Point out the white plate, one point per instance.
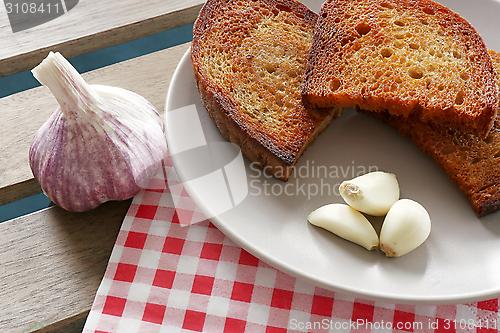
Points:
(458, 263)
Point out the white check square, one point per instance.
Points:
(149, 259)
(187, 265)
(127, 325)
(226, 271)
(116, 254)
(258, 313)
(265, 277)
(159, 228)
(105, 286)
(197, 234)
(139, 292)
(178, 299)
(303, 287)
(218, 306)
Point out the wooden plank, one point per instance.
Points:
(51, 264)
(89, 26)
(23, 113)
(72, 324)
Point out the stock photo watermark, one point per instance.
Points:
(26, 14)
(308, 180)
(329, 324)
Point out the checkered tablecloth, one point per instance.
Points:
(165, 277)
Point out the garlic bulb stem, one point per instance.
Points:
(66, 84)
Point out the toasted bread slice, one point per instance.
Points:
(404, 56)
(473, 163)
(249, 60)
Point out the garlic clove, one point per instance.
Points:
(406, 227)
(346, 223)
(103, 143)
(373, 193)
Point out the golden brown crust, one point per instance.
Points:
(231, 46)
(468, 160)
(402, 56)
(215, 104)
(473, 163)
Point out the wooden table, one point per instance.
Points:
(52, 261)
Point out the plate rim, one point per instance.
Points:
(300, 274)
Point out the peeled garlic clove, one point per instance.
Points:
(372, 194)
(347, 223)
(406, 227)
(102, 143)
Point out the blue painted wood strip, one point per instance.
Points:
(21, 81)
(24, 206)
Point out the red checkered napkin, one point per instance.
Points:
(165, 277)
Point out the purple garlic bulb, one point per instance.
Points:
(102, 143)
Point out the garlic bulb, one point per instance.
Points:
(102, 143)
(347, 223)
(373, 193)
(406, 227)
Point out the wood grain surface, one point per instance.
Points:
(51, 264)
(22, 114)
(89, 26)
